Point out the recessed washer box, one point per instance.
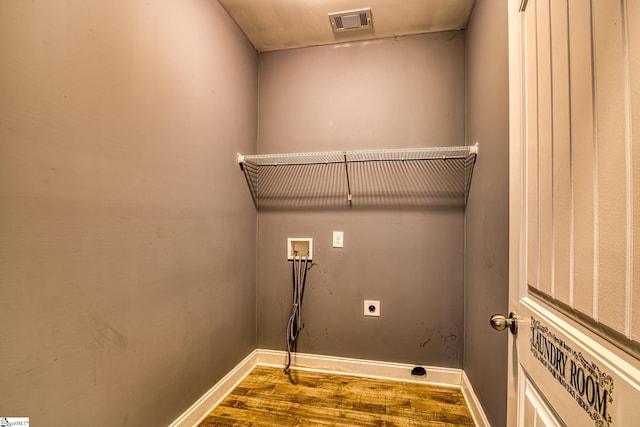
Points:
(298, 247)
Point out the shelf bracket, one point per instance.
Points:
(346, 171)
(247, 177)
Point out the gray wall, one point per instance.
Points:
(487, 213)
(391, 93)
(127, 254)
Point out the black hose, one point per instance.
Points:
(294, 325)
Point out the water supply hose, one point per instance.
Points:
(294, 325)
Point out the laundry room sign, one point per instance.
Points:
(591, 388)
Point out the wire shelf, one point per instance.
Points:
(436, 176)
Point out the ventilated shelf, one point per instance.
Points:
(384, 178)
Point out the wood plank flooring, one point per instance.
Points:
(268, 397)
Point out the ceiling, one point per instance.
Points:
(286, 24)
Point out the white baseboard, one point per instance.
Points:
(365, 368)
(445, 377)
(474, 404)
(203, 406)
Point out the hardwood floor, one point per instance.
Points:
(268, 397)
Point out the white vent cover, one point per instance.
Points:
(350, 20)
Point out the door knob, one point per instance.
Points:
(499, 322)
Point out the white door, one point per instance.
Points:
(575, 212)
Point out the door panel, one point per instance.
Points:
(633, 18)
(633, 33)
(582, 155)
(612, 140)
(561, 156)
(581, 165)
(542, 101)
(537, 412)
(584, 380)
(574, 212)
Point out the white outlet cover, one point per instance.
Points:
(338, 239)
(367, 308)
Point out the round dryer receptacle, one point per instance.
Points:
(418, 371)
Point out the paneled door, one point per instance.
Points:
(574, 213)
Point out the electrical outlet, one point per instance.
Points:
(371, 308)
(338, 239)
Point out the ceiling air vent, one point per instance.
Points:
(351, 20)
